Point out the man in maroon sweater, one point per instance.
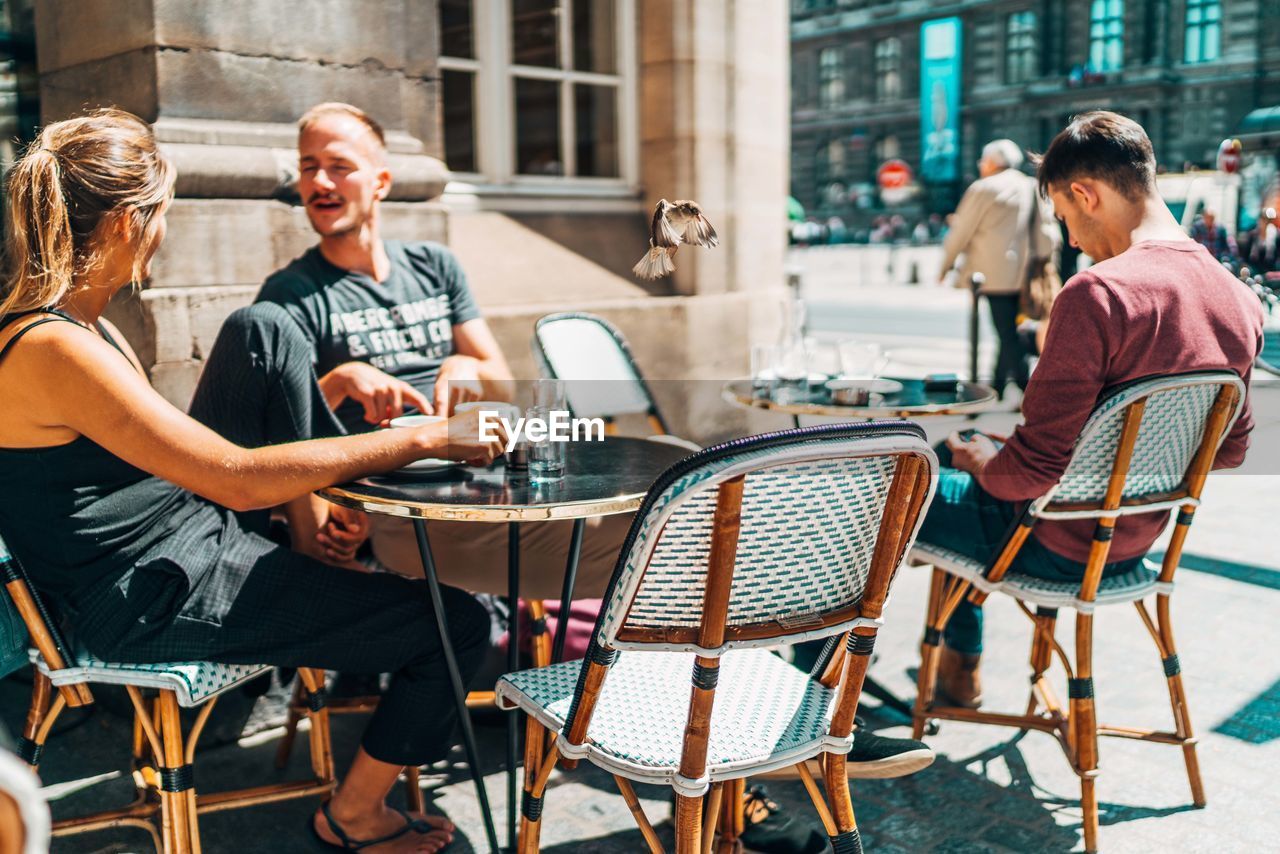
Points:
(1154, 303)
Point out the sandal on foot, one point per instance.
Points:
(414, 825)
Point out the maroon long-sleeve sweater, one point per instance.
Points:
(1161, 307)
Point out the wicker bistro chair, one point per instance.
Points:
(1147, 448)
(603, 378)
(771, 539)
(163, 760)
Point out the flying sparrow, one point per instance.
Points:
(673, 223)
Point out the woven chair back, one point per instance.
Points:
(591, 355)
(813, 503)
(1173, 425)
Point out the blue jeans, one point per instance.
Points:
(965, 518)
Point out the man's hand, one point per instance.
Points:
(342, 535)
(382, 395)
(971, 456)
(457, 382)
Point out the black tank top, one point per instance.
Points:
(76, 515)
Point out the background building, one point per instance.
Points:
(1190, 71)
(533, 136)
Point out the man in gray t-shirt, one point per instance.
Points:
(403, 325)
(395, 327)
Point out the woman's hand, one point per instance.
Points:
(464, 441)
(383, 396)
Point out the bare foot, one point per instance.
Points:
(384, 823)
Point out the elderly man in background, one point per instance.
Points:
(999, 227)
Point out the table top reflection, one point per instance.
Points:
(913, 401)
(600, 479)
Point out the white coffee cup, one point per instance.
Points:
(416, 420)
(509, 411)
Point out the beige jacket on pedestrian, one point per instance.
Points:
(989, 230)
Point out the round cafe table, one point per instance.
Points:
(600, 479)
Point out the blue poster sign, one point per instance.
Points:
(940, 100)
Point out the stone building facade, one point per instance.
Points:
(565, 121)
(1188, 70)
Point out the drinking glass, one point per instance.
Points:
(549, 394)
(546, 457)
(764, 372)
(862, 359)
(793, 373)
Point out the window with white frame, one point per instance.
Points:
(1204, 31)
(1020, 47)
(1106, 35)
(831, 77)
(888, 69)
(538, 90)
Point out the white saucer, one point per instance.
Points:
(430, 464)
(875, 385)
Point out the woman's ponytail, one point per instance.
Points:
(77, 173)
(40, 245)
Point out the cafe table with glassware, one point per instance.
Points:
(796, 381)
(800, 375)
(538, 480)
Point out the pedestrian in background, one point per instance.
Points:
(1212, 235)
(1001, 224)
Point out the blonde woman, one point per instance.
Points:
(145, 524)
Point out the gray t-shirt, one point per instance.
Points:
(402, 326)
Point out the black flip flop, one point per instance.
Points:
(414, 825)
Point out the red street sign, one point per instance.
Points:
(1229, 155)
(893, 174)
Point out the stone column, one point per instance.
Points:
(715, 126)
(223, 82)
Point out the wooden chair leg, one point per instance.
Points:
(181, 833)
(296, 705)
(1041, 651)
(927, 676)
(1085, 729)
(688, 825)
(731, 819)
(541, 642)
(320, 742)
(711, 816)
(846, 839)
(1178, 700)
(40, 714)
(537, 770)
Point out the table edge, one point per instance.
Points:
(481, 513)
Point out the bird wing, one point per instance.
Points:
(660, 230)
(696, 227)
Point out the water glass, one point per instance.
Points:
(547, 458)
(764, 372)
(793, 373)
(549, 394)
(862, 359)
